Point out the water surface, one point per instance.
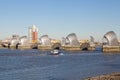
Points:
(38, 65)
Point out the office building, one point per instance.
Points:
(33, 34)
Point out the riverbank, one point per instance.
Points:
(112, 76)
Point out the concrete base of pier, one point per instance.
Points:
(12, 46)
(1, 46)
(40, 47)
(24, 47)
(111, 48)
(91, 48)
(71, 48)
(113, 76)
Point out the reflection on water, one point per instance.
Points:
(38, 65)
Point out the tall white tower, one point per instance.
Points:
(33, 34)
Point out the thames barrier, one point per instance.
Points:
(71, 42)
(110, 42)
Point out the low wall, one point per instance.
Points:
(12, 47)
(71, 48)
(1, 46)
(111, 48)
(45, 47)
(113, 76)
(91, 48)
(24, 47)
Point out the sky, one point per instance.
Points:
(58, 18)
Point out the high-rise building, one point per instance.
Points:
(33, 34)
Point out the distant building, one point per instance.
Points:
(55, 41)
(84, 41)
(33, 34)
(15, 36)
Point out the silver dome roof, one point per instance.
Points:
(110, 39)
(72, 40)
(45, 40)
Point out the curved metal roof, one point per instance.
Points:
(110, 39)
(45, 40)
(72, 40)
(24, 40)
(91, 39)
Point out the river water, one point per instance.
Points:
(39, 65)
